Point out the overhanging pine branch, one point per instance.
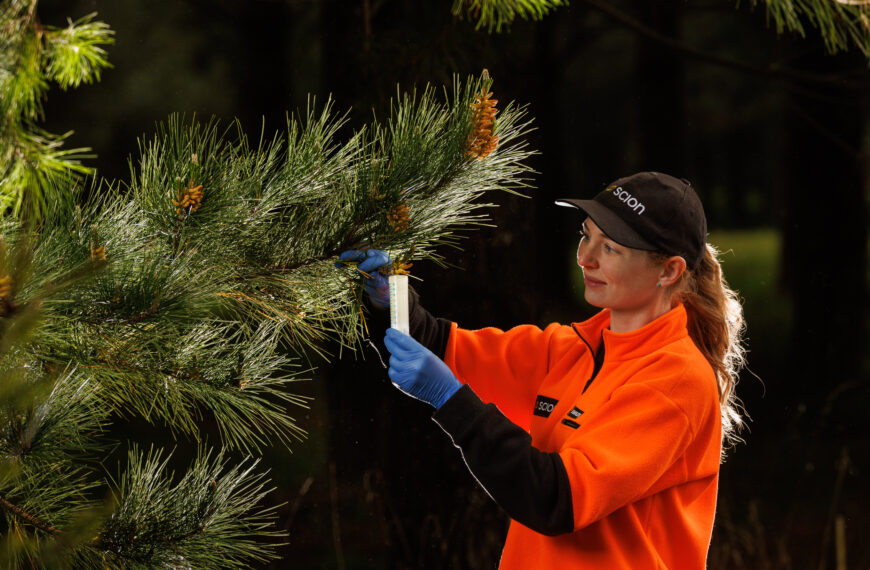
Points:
(767, 71)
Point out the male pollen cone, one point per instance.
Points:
(481, 141)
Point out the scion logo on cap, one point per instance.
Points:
(629, 200)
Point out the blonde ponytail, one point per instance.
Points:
(716, 326)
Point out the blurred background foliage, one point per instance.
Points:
(772, 129)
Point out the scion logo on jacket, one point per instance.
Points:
(544, 406)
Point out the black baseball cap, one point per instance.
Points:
(651, 211)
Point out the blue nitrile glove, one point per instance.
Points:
(376, 286)
(416, 371)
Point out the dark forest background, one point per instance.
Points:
(773, 132)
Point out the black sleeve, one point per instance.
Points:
(432, 332)
(530, 485)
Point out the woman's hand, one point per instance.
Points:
(416, 371)
(376, 285)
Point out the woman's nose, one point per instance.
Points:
(583, 257)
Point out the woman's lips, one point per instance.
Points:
(592, 282)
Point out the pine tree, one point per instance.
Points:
(195, 291)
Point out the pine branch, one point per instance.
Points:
(206, 517)
(46, 449)
(769, 71)
(187, 280)
(495, 14)
(35, 171)
(841, 23)
(27, 518)
(38, 161)
(75, 53)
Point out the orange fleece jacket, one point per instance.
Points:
(640, 443)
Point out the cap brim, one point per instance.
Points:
(610, 223)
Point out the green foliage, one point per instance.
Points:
(35, 171)
(841, 23)
(750, 260)
(38, 171)
(193, 295)
(49, 416)
(495, 14)
(74, 53)
(158, 524)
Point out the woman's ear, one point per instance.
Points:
(672, 269)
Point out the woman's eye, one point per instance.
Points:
(583, 235)
(609, 249)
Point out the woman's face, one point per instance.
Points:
(618, 278)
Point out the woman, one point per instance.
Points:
(602, 440)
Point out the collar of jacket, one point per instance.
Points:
(654, 335)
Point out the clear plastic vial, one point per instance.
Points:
(399, 303)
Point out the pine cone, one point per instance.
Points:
(190, 197)
(5, 286)
(481, 141)
(98, 253)
(401, 267)
(399, 217)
